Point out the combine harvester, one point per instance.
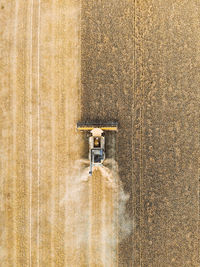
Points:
(97, 140)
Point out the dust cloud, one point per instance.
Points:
(95, 208)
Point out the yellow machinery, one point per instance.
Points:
(97, 140)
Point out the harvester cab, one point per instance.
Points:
(97, 141)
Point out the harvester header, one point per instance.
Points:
(88, 126)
